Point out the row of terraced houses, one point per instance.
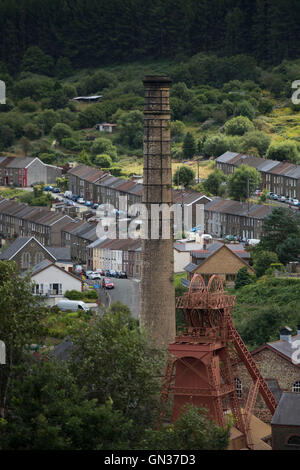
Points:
(51, 228)
(282, 178)
(222, 217)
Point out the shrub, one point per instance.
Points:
(238, 126)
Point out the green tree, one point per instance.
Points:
(238, 126)
(25, 145)
(62, 183)
(183, 176)
(284, 151)
(49, 411)
(84, 158)
(46, 120)
(103, 161)
(177, 131)
(101, 145)
(255, 139)
(243, 182)
(243, 278)
(262, 261)
(289, 250)
(189, 146)
(213, 184)
(277, 227)
(131, 128)
(63, 67)
(61, 131)
(193, 430)
(36, 61)
(7, 136)
(114, 358)
(20, 321)
(244, 108)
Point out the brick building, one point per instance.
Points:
(119, 255)
(226, 217)
(218, 258)
(21, 220)
(23, 172)
(28, 251)
(282, 178)
(274, 360)
(286, 423)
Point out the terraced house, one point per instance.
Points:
(21, 220)
(225, 217)
(77, 235)
(119, 255)
(23, 172)
(282, 178)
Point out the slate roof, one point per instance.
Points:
(285, 413)
(14, 247)
(285, 347)
(227, 206)
(60, 253)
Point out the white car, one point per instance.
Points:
(81, 200)
(295, 202)
(94, 276)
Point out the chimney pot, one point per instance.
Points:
(286, 334)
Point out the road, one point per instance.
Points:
(126, 291)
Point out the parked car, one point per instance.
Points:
(274, 196)
(72, 305)
(282, 198)
(100, 271)
(75, 197)
(94, 276)
(113, 273)
(56, 190)
(294, 202)
(88, 203)
(107, 283)
(95, 206)
(68, 194)
(257, 192)
(80, 200)
(48, 188)
(121, 275)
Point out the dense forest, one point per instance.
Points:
(97, 32)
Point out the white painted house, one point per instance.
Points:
(53, 281)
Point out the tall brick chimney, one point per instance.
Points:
(157, 286)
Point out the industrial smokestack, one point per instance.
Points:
(157, 286)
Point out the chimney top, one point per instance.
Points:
(286, 334)
(158, 80)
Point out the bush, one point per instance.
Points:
(74, 295)
(27, 105)
(103, 161)
(283, 151)
(61, 131)
(238, 126)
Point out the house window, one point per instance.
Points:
(296, 387)
(39, 257)
(238, 387)
(26, 258)
(294, 441)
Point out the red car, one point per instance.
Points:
(107, 283)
